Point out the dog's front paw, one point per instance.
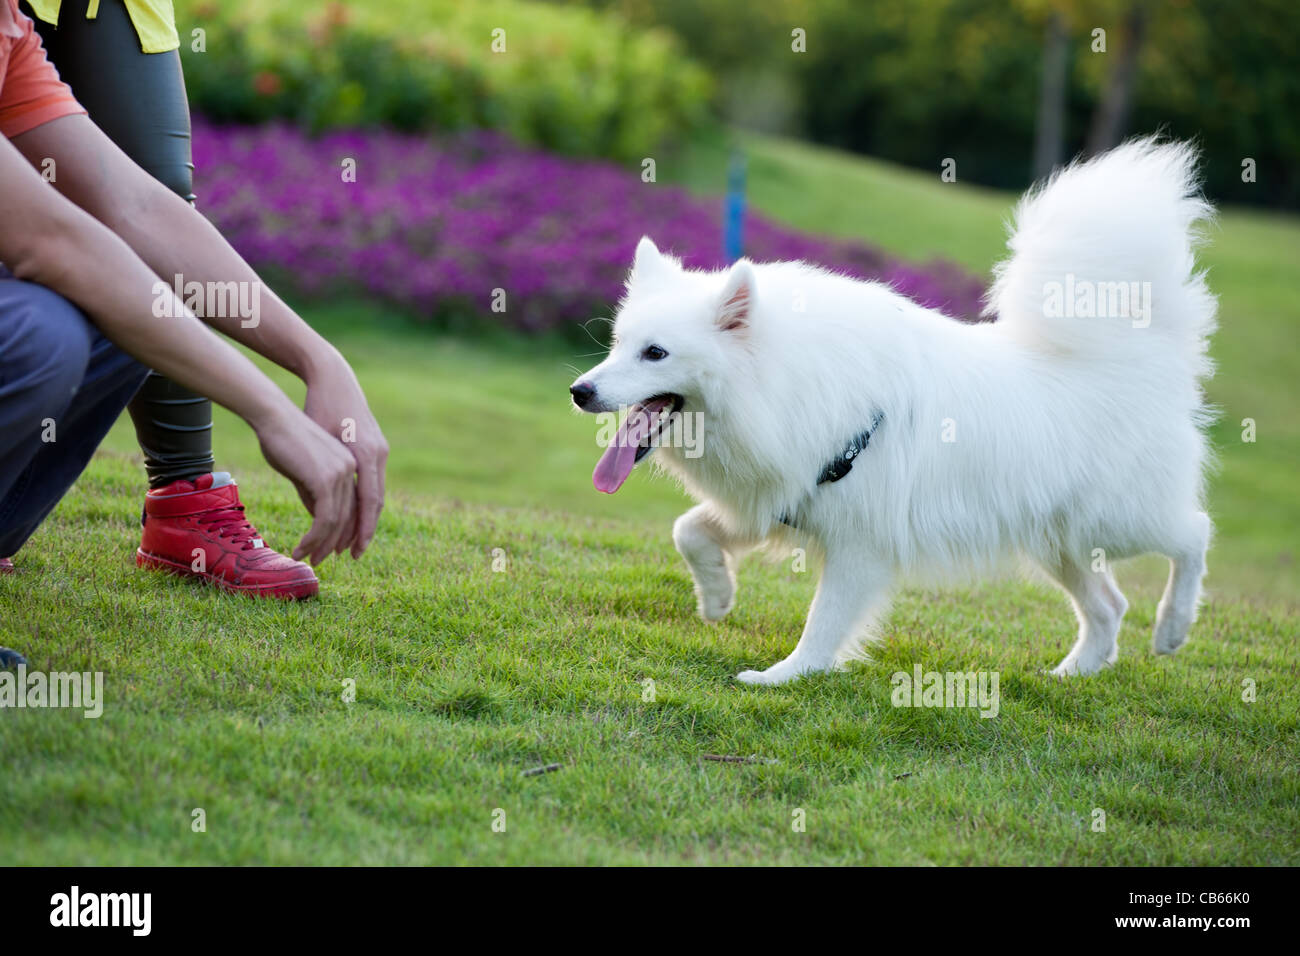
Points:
(781, 673)
(761, 677)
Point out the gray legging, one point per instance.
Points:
(138, 99)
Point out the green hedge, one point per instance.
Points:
(570, 79)
(914, 81)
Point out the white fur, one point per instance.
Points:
(1071, 434)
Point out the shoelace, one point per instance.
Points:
(231, 524)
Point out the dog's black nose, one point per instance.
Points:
(583, 393)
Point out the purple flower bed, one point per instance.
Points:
(436, 225)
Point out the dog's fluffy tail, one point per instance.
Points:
(1102, 259)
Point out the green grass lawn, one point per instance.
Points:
(585, 651)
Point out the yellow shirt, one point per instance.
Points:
(154, 21)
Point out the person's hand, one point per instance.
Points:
(336, 403)
(321, 469)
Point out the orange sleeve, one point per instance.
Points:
(31, 92)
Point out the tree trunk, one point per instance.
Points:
(1110, 119)
(1049, 134)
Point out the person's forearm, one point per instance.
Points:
(174, 240)
(90, 266)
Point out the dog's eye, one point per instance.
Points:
(653, 353)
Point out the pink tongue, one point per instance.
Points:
(616, 464)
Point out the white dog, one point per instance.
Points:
(906, 445)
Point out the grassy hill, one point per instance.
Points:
(585, 651)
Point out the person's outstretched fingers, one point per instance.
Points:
(342, 514)
(370, 499)
(322, 511)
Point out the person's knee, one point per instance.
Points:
(46, 345)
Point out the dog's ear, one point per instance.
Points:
(736, 304)
(650, 264)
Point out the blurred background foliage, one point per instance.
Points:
(912, 81)
(917, 80)
(576, 81)
(1009, 89)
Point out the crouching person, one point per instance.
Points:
(80, 331)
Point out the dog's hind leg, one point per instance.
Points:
(712, 555)
(851, 586)
(1100, 608)
(1177, 608)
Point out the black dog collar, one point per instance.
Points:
(842, 465)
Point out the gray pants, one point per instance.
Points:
(62, 385)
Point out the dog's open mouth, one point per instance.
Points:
(636, 438)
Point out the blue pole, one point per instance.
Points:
(733, 224)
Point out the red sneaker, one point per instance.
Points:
(7, 566)
(198, 529)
